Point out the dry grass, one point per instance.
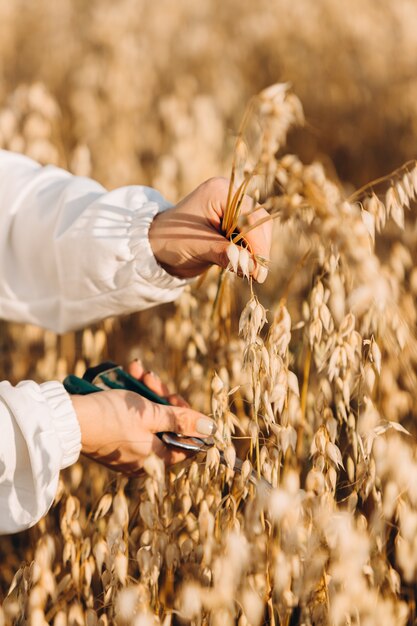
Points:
(328, 343)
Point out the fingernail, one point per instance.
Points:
(206, 426)
(262, 274)
(251, 266)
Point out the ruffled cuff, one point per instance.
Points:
(146, 264)
(65, 421)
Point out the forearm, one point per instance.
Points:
(72, 253)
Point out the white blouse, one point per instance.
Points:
(71, 253)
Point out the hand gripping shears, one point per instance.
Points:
(108, 375)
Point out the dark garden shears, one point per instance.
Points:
(108, 375)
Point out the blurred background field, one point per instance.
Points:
(139, 92)
(142, 92)
(156, 90)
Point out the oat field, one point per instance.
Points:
(311, 377)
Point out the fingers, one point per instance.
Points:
(250, 257)
(136, 369)
(257, 239)
(176, 400)
(154, 383)
(152, 380)
(181, 420)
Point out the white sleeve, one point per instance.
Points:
(72, 253)
(39, 436)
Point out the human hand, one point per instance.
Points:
(118, 427)
(187, 239)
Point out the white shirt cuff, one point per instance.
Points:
(65, 421)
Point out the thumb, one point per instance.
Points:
(182, 420)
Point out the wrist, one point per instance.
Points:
(78, 405)
(159, 242)
(90, 419)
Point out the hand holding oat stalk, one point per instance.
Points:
(205, 227)
(190, 237)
